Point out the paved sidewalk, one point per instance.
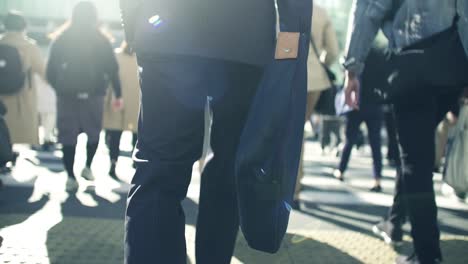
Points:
(42, 223)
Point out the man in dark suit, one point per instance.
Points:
(188, 51)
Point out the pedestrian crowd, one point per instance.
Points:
(68, 94)
(403, 70)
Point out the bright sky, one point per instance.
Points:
(108, 9)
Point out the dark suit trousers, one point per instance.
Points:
(170, 139)
(373, 120)
(416, 121)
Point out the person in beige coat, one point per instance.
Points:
(325, 40)
(22, 116)
(115, 122)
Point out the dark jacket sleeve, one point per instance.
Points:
(53, 64)
(112, 68)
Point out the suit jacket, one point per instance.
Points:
(240, 30)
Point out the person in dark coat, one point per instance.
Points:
(81, 63)
(187, 51)
(371, 113)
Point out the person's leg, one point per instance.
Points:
(113, 141)
(48, 125)
(374, 127)
(416, 124)
(391, 227)
(441, 138)
(325, 132)
(312, 99)
(300, 176)
(134, 139)
(49, 120)
(90, 153)
(169, 142)
(337, 131)
(68, 131)
(90, 117)
(392, 144)
(69, 159)
(353, 121)
(218, 219)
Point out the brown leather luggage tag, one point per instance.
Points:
(287, 45)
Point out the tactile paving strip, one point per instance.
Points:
(100, 241)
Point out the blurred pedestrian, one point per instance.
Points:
(455, 172)
(417, 113)
(207, 48)
(47, 107)
(6, 150)
(116, 122)
(324, 51)
(22, 118)
(81, 64)
(370, 112)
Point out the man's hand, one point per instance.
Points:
(117, 104)
(352, 86)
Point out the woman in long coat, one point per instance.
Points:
(22, 116)
(326, 44)
(126, 119)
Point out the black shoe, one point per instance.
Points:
(15, 157)
(338, 175)
(5, 170)
(461, 195)
(112, 172)
(47, 146)
(413, 259)
(383, 230)
(295, 205)
(376, 189)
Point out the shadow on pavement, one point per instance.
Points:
(296, 249)
(14, 205)
(94, 235)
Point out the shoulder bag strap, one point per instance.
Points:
(330, 75)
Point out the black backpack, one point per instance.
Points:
(79, 75)
(12, 76)
(79, 69)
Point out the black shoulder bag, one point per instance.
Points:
(326, 102)
(435, 65)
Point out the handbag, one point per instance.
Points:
(269, 150)
(326, 103)
(456, 167)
